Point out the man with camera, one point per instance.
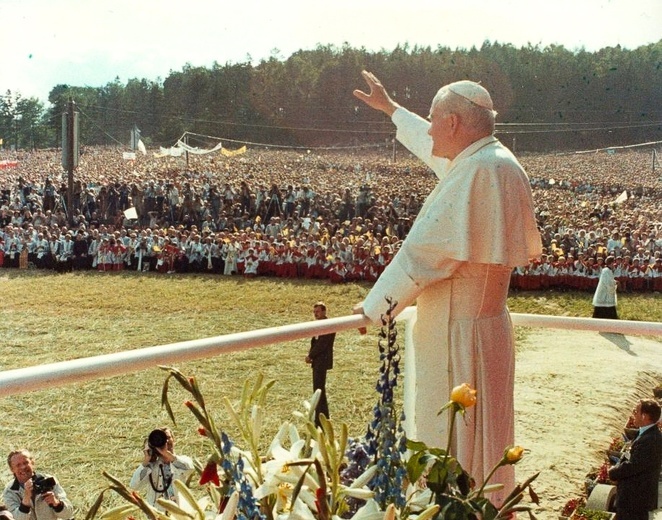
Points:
(33, 496)
(160, 467)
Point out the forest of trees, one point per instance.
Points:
(548, 99)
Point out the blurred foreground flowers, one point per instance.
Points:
(310, 473)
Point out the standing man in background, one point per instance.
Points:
(320, 358)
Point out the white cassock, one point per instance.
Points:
(474, 228)
(605, 292)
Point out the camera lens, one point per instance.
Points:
(157, 439)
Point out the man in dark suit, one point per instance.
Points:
(638, 472)
(320, 357)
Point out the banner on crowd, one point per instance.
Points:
(198, 151)
(8, 164)
(169, 152)
(232, 153)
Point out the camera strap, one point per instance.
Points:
(166, 479)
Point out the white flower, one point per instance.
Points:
(430, 512)
(358, 488)
(418, 498)
(360, 493)
(365, 477)
(300, 511)
(230, 508)
(279, 478)
(371, 511)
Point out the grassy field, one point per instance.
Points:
(77, 431)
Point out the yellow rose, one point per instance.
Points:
(513, 454)
(464, 395)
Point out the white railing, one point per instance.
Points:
(22, 380)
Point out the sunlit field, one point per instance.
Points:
(79, 430)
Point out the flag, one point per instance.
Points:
(129, 156)
(141, 147)
(621, 198)
(131, 213)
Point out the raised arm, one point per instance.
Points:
(378, 98)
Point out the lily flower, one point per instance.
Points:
(279, 477)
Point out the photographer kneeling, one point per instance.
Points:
(160, 467)
(33, 496)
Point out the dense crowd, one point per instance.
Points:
(334, 215)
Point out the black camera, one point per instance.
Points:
(41, 485)
(157, 439)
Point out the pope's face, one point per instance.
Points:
(440, 128)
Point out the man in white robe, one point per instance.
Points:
(604, 299)
(474, 228)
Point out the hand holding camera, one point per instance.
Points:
(43, 487)
(157, 446)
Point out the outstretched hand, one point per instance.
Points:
(378, 98)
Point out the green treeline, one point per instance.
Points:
(548, 99)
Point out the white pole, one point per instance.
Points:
(22, 380)
(638, 328)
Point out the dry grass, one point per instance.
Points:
(79, 430)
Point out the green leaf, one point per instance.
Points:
(199, 416)
(185, 495)
(344, 434)
(195, 391)
(165, 402)
(487, 509)
(299, 485)
(174, 510)
(416, 465)
(120, 512)
(456, 510)
(181, 378)
(416, 445)
(95, 507)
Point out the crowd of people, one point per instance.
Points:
(339, 216)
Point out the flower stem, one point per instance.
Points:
(493, 470)
(448, 444)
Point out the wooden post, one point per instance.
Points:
(71, 160)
